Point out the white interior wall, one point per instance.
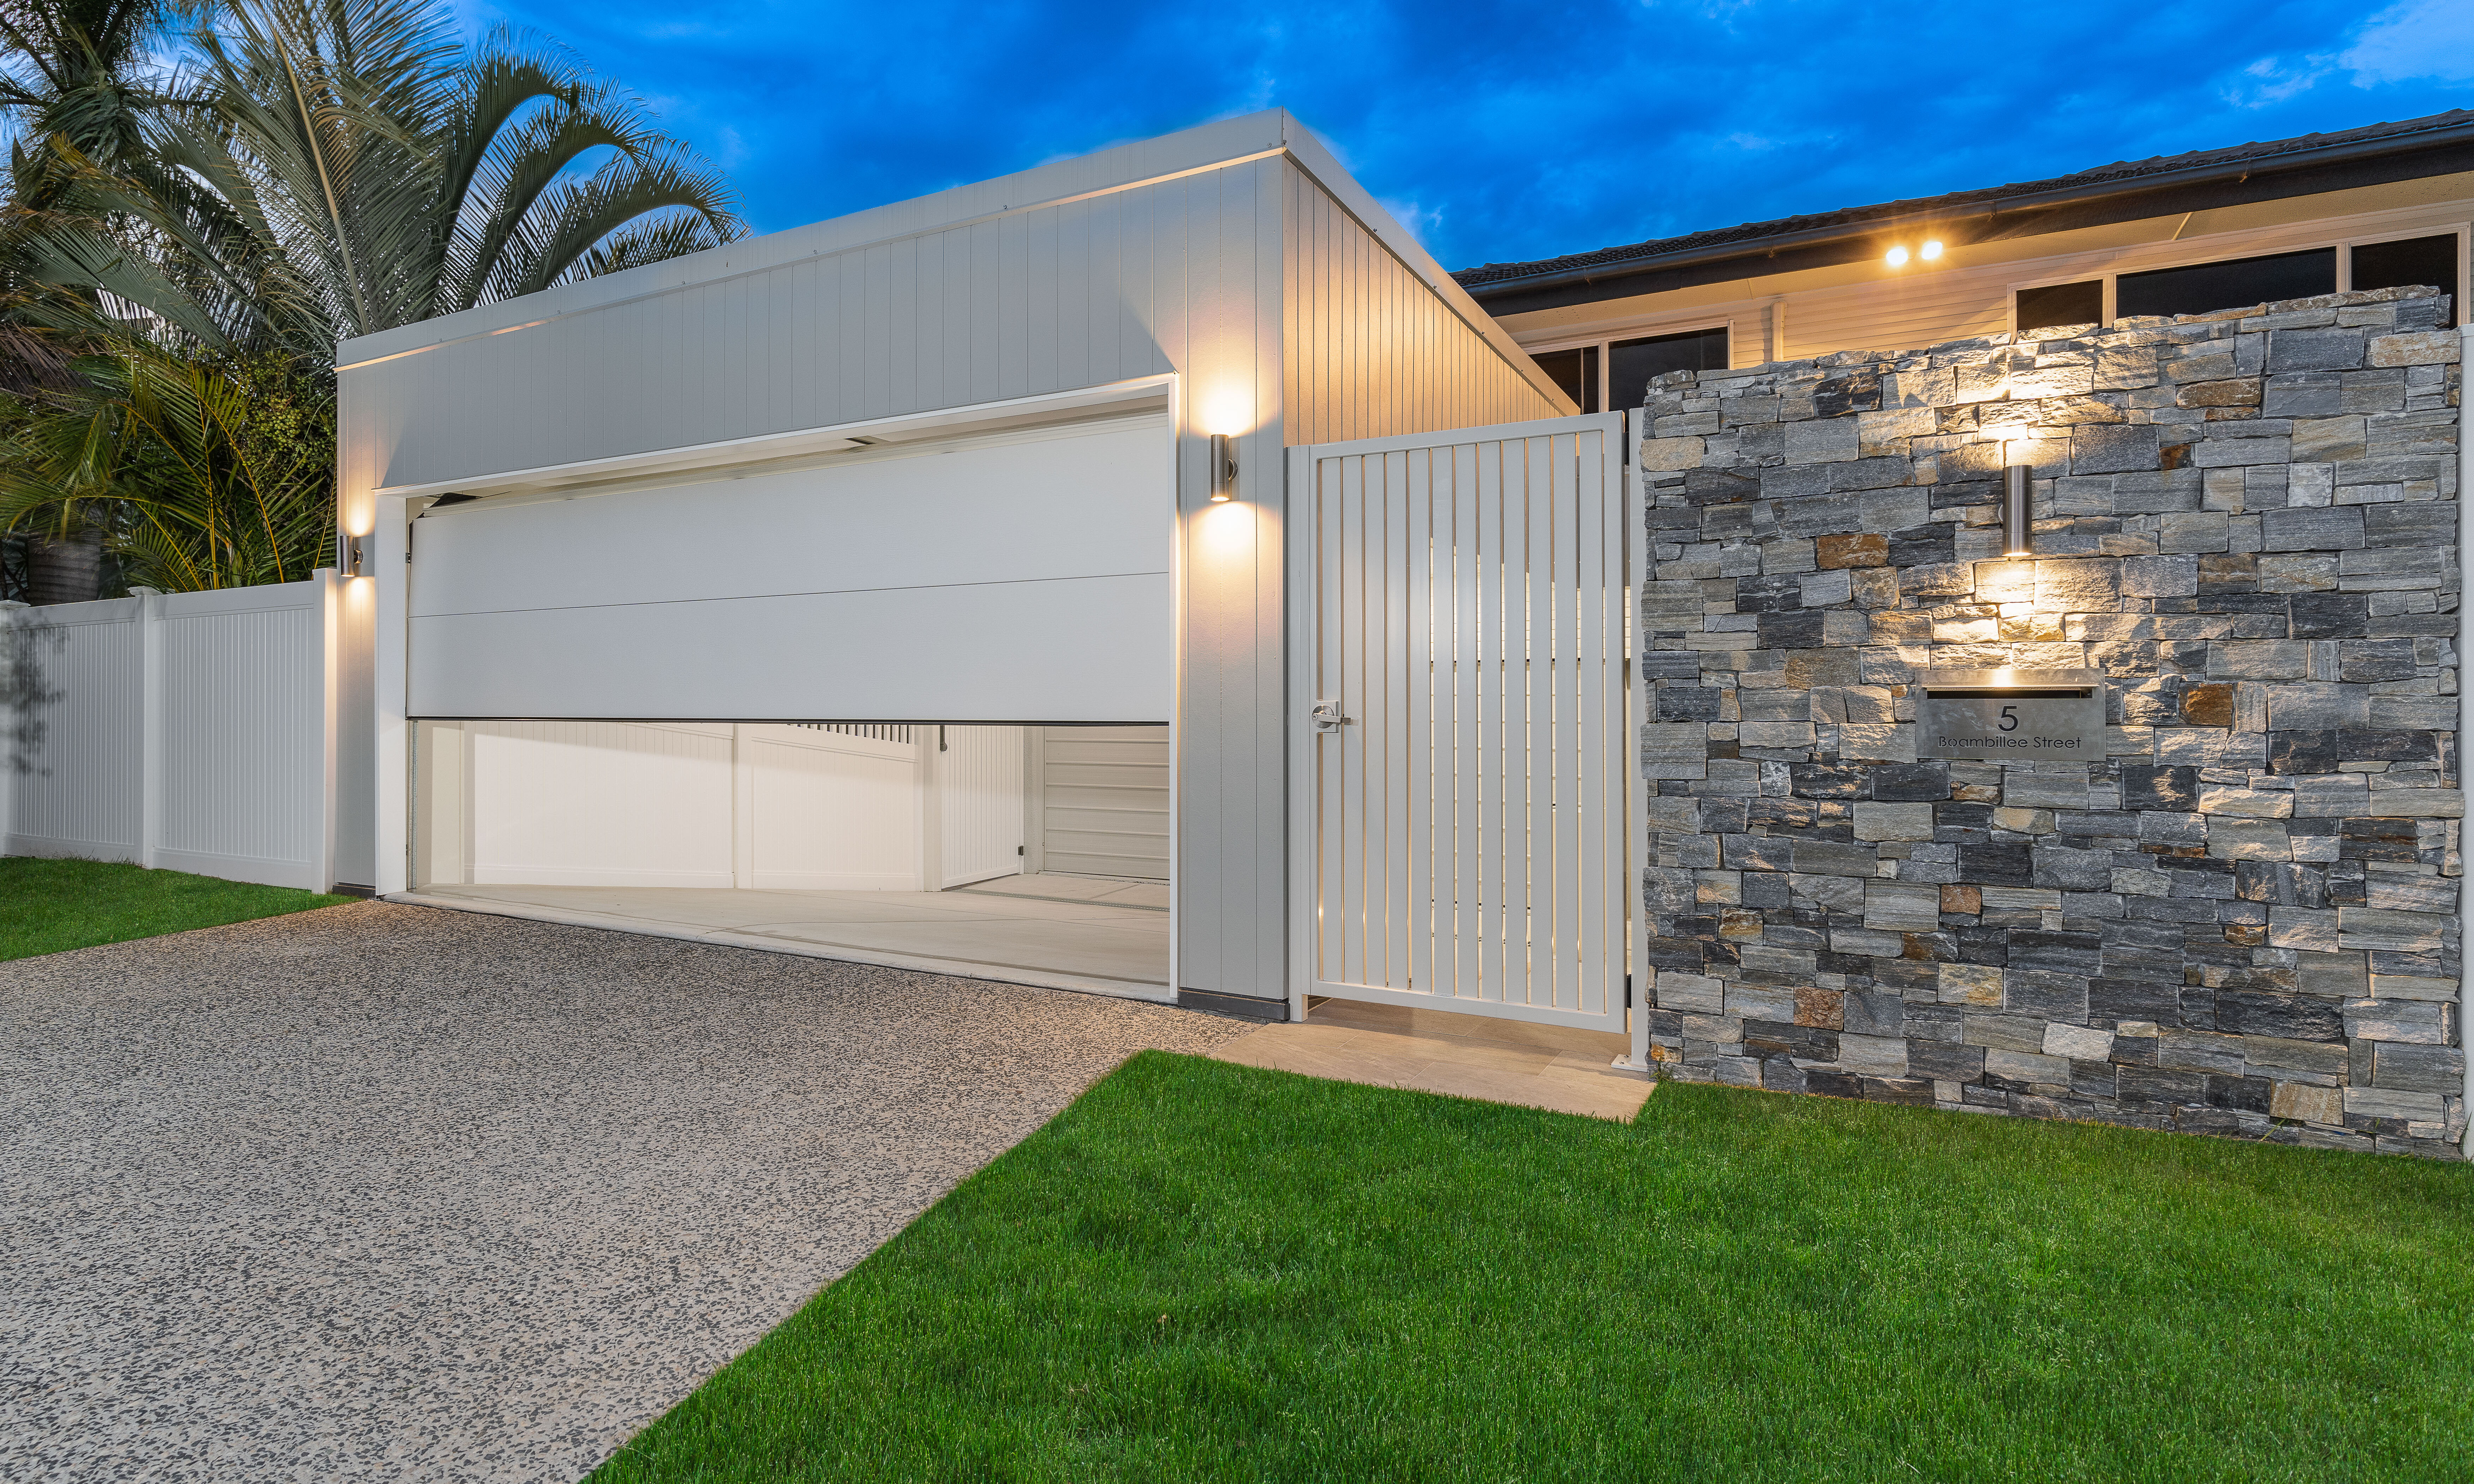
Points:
(830, 811)
(715, 805)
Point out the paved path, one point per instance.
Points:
(386, 1191)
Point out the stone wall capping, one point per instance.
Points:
(2239, 919)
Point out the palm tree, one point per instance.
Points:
(83, 71)
(361, 169)
(208, 495)
(78, 84)
(352, 167)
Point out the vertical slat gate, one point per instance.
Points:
(1465, 834)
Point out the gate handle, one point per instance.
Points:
(1328, 718)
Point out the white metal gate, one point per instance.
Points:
(1459, 683)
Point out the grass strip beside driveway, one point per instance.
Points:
(1207, 1271)
(48, 906)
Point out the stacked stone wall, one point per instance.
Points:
(2240, 921)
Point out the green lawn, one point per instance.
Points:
(49, 906)
(1203, 1271)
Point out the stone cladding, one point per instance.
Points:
(2241, 921)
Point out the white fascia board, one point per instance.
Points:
(1318, 161)
(1187, 152)
(1022, 410)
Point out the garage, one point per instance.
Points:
(913, 587)
(920, 722)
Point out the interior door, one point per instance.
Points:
(1461, 689)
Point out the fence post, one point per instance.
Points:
(9, 611)
(328, 721)
(150, 725)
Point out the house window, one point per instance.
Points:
(2416, 260)
(2055, 304)
(2203, 287)
(1576, 372)
(1631, 363)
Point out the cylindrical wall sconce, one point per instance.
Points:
(2018, 533)
(1224, 468)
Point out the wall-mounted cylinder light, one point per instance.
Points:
(1224, 468)
(2018, 533)
(353, 556)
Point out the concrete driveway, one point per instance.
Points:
(390, 1192)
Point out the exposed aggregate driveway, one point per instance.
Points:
(396, 1192)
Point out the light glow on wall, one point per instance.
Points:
(1227, 531)
(1227, 410)
(1930, 251)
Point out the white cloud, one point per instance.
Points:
(2274, 80)
(2419, 38)
(1416, 217)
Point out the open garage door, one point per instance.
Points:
(1007, 578)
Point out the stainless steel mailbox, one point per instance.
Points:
(2012, 716)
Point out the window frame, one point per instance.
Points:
(2343, 245)
(1603, 341)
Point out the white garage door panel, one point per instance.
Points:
(1047, 507)
(1094, 650)
(998, 582)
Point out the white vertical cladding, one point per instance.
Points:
(390, 747)
(1371, 350)
(75, 750)
(355, 848)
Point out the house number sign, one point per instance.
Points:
(2011, 716)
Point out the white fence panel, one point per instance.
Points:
(194, 732)
(75, 733)
(244, 739)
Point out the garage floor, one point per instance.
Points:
(1091, 933)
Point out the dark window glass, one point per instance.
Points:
(1631, 363)
(2395, 265)
(2203, 287)
(1576, 372)
(2061, 303)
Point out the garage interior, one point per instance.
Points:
(1028, 854)
(585, 659)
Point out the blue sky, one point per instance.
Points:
(1508, 131)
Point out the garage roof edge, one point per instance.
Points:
(1120, 167)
